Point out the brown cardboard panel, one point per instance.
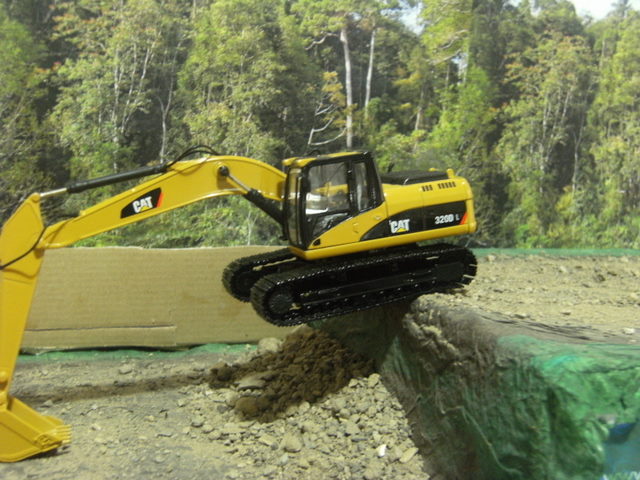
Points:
(161, 337)
(90, 297)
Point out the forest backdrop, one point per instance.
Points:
(536, 106)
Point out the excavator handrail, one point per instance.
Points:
(25, 238)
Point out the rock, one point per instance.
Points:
(268, 440)
(381, 451)
(231, 429)
(221, 372)
(374, 470)
(269, 470)
(199, 367)
(408, 454)
(350, 428)
(230, 398)
(338, 403)
(291, 443)
(125, 369)
(250, 382)
(247, 406)
(310, 426)
(269, 345)
(373, 380)
(207, 428)
(197, 422)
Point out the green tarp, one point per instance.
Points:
(490, 399)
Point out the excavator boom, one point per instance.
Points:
(25, 238)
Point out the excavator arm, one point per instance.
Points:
(24, 239)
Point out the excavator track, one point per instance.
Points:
(240, 275)
(314, 291)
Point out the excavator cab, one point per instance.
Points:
(325, 191)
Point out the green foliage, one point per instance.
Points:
(234, 83)
(614, 116)
(460, 136)
(536, 106)
(539, 142)
(20, 129)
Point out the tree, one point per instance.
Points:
(341, 19)
(616, 126)
(448, 25)
(121, 75)
(244, 88)
(538, 145)
(19, 136)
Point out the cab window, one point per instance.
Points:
(364, 195)
(327, 198)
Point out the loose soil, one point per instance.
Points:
(305, 408)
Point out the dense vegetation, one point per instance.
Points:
(537, 107)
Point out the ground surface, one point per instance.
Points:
(598, 293)
(306, 409)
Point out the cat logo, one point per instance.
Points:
(142, 204)
(148, 201)
(399, 226)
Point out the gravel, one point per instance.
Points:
(305, 408)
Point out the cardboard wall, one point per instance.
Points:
(106, 297)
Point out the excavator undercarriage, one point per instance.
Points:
(287, 291)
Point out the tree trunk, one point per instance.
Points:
(369, 73)
(348, 85)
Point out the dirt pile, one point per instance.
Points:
(306, 367)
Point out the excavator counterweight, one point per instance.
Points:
(352, 237)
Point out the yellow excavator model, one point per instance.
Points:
(353, 244)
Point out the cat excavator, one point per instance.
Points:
(352, 236)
